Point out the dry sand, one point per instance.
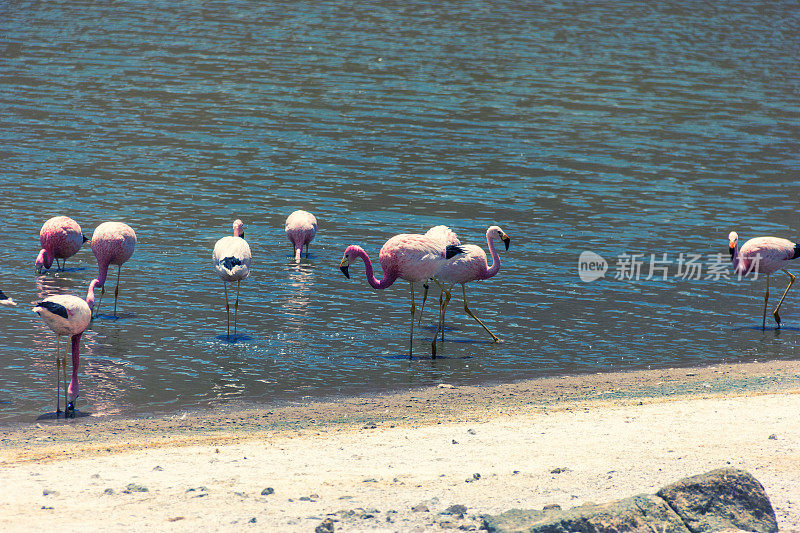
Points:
(396, 462)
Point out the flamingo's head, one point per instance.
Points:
(495, 232)
(43, 260)
(733, 240)
(349, 255)
(238, 228)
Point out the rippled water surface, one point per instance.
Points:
(617, 129)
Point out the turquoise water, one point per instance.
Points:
(618, 129)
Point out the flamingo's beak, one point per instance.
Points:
(506, 240)
(344, 267)
(86, 239)
(242, 234)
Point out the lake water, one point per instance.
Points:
(620, 129)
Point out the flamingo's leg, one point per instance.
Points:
(466, 309)
(64, 374)
(116, 290)
(58, 378)
(413, 312)
(440, 321)
(766, 299)
(227, 309)
(444, 310)
(99, 301)
(58, 265)
(306, 250)
(236, 308)
(424, 297)
(791, 282)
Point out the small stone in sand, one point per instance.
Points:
(773, 437)
(370, 480)
(108, 491)
(48, 492)
(455, 441)
(370, 425)
(268, 491)
(471, 431)
(551, 507)
(95, 476)
(158, 469)
(475, 477)
(135, 487)
(420, 508)
(457, 510)
(253, 520)
(176, 518)
(325, 527)
(558, 470)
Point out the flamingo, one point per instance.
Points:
(409, 256)
(447, 237)
(301, 227)
(470, 266)
(69, 315)
(764, 255)
(61, 238)
(6, 300)
(112, 244)
(232, 261)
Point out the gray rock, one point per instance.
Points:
(325, 527)
(636, 514)
(456, 510)
(108, 491)
(268, 491)
(135, 487)
(726, 498)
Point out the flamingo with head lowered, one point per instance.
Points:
(67, 315)
(112, 244)
(61, 238)
(408, 256)
(301, 227)
(764, 255)
(469, 266)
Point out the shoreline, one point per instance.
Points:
(565, 440)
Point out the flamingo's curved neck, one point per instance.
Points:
(90, 294)
(102, 274)
(495, 268)
(44, 259)
(297, 251)
(388, 277)
(739, 264)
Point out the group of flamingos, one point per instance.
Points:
(436, 255)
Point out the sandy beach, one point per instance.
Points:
(421, 460)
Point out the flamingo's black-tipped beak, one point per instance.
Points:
(344, 267)
(506, 240)
(732, 248)
(69, 412)
(85, 238)
(242, 234)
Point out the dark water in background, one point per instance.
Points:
(616, 129)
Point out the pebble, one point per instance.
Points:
(370, 425)
(135, 487)
(268, 491)
(475, 477)
(48, 492)
(457, 509)
(420, 508)
(558, 470)
(773, 437)
(108, 491)
(325, 527)
(471, 431)
(158, 469)
(551, 507)
(253, 520)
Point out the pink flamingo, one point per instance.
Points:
(67, 315)
(301, 227)
(446, 237)
(764, 255)
(409, 256)
(112, 244)
(466, 267)
(61, 238)
(231, 258)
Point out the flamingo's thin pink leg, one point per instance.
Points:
(791, 282)
(466, 308)
(236, 308)
(64, 375)
(116, 290)
(766, 299)
(413, 313)
(424, 297)
(227, 309)
(58, 378)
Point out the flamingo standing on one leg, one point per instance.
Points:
(67, 315)
(412, 257)
(232, 261)
(470, 266)
(61, 238)
(764, 255)
(301, 227)
(112, 244)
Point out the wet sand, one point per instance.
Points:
(398, 462)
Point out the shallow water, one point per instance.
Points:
(623, 129)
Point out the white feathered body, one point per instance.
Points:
(78, 313)
(232, 258)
